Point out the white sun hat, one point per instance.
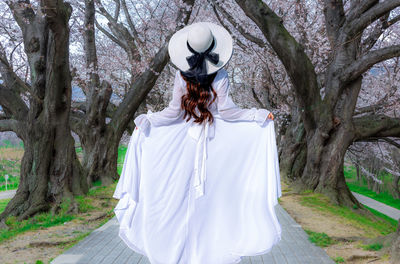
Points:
(201, 39)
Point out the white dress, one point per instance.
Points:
(200, 194)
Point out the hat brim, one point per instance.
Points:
(178, 50)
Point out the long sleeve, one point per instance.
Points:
(229, 110)
(169, 114)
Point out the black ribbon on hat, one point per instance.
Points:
(197, 63)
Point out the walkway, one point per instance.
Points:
(381, 207)
(7, 194)
(103, 246)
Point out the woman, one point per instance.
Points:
(200, 178)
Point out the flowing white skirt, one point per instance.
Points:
(157, 212)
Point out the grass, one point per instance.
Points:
(46, 219)
(39, 221)
(373, 247)
(10, 164)
(121, 157)
(85, 203)
(339, 260)
(371, 225)
(320, 239)
(383, 216)
(3, 204)
(10, 167)
(362, 187)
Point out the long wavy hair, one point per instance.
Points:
(199, 95)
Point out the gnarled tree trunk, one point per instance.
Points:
(50, 170)
(324, 126)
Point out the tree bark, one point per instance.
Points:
(99, 140)
(294, 148)
(50, 170)
(323, 127)
(395, 187)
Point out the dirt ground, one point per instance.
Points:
(48, 243)
(350, 237)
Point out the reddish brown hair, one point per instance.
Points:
(199, 95)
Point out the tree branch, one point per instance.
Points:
(22, 13)
(145, 81)
(359, 7)
(8, 125)
(291, 53)
(359, 23)
(373, 126)
(238, 41)
(386, 140)
(381, 103)
(130, 22)
(12, 103)
(121, 32)
(334, 19)
(12, 80)
(261, 43)
(364, 63)
(117, 9)
(110, 36)
(373, 37)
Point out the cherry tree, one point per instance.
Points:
(324, 122)
(143, 47)
(50, 170)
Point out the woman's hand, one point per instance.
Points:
(270, 116)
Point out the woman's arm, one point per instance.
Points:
(229, 110)
(169, 114)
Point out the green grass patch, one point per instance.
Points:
(39, 221)
(85, 203)
(383, 197)
(103, 191)
(320, 239)
(370, 225)
(11, 168)
(46, 219)
(338, 260)
(121, 157)
(362, 187)
(372, 247)
(3, 204)
(7, 144)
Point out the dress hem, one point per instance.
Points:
(238, 260)
(265, 251)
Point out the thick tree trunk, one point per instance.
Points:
(324, 175)
(293, 148)
(327, 118)
(50, 170)
(395, 187)
(100, 155)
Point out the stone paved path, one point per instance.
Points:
(381, 207)
(104, 246)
